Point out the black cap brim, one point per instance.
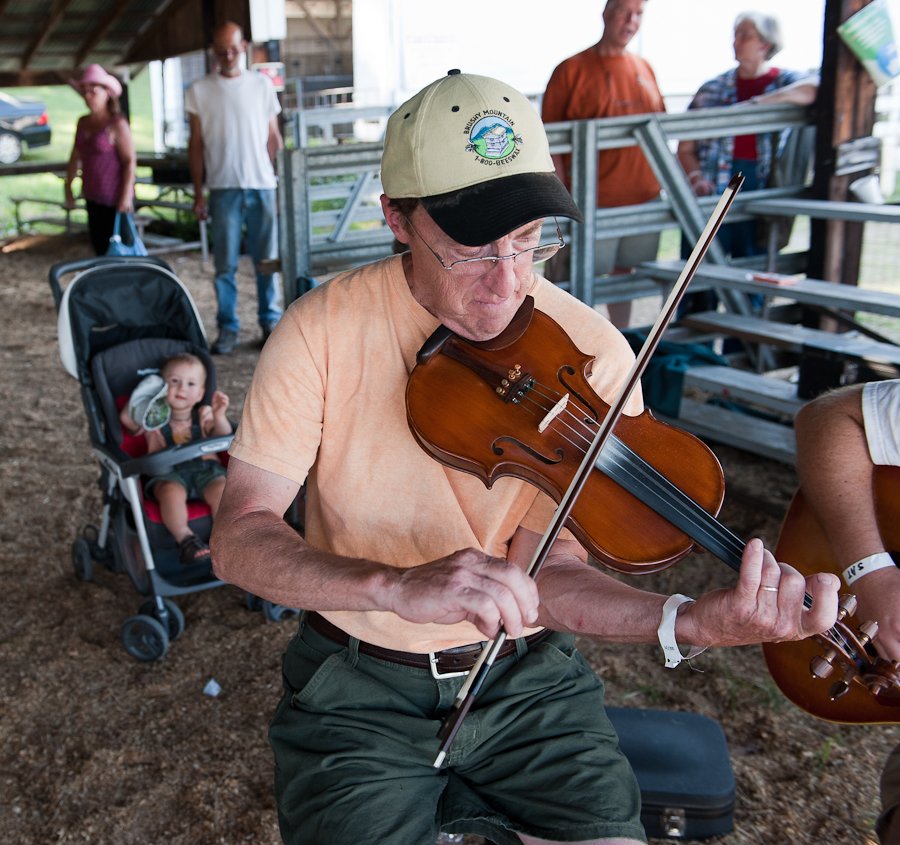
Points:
(489, 210)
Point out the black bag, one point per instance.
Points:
(683, 769)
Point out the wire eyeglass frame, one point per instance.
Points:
(484, 264)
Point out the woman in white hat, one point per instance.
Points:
(104, 153)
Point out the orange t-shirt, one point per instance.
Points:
(589, 85)
(328, 401)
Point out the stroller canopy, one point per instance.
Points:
(107, 305)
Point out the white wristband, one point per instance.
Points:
(872, 563)
(666, 632)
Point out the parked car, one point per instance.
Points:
(21, 122)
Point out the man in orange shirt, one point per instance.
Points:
(607, 81)
(406, 567)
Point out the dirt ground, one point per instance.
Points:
(98, 748)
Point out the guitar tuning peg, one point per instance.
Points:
(846, 605)
(838, 689)
(867, 632)
(821, 666)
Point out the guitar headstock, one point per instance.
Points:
(853, 652)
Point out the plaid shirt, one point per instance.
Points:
(716, 155)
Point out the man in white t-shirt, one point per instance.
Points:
(234, 140)
(841, 437)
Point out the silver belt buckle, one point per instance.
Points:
(436, 673)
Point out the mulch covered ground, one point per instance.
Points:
(98, 748)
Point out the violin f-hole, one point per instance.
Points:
(591, 416)
(550, 460)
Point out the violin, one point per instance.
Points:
(521, 405)
(510, 418)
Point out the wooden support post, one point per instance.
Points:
(845, 109)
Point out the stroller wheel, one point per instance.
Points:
(107, 555)
(145, 638)
(278, 612)
(82, 561)
(175, 616)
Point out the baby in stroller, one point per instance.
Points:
(120, 321)
(170, 411)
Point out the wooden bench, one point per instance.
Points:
(859, 212)
(65, 220)
(862, 212)
(849, 345)
(771, 393)
(755, 412)
(768, 393)
(157, 244)
(743, 431)
(804, 291)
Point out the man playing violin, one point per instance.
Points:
(406, 566)
(858, 428)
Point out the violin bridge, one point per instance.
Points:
(553, 413)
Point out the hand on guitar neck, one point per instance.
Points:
(804, 542)
(846, 510)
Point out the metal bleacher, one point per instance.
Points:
(331, 219)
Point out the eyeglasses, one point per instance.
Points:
(483, 265)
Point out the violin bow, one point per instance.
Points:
(478, 673)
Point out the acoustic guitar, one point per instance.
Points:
(803, 544)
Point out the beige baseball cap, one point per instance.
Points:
(474, 151)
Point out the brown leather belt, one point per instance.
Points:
(447, 663)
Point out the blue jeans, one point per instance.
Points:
(231, 209)
(738, 240)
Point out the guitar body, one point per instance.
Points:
(803, 544)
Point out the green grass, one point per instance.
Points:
(64, 107)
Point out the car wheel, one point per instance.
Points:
(10, 148)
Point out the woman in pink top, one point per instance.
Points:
(104, 153)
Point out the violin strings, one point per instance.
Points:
(566, 426)
(558, 422)
(646, 479)
(623, 464)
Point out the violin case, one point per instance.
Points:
(683, 769)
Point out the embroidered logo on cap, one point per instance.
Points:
(492, 138)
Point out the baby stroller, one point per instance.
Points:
(119, 319)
